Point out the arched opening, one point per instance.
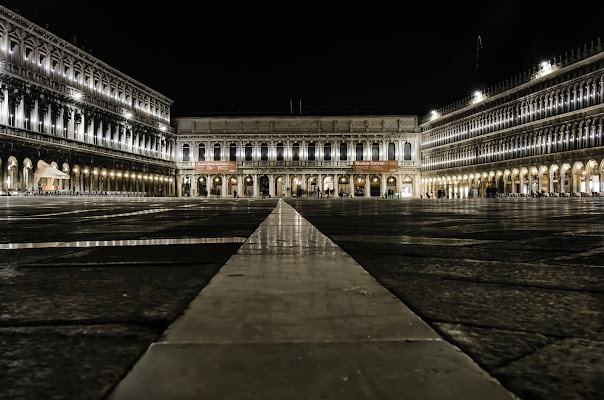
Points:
(344, 186)
(359, 185)
(248, 152)
(312, 185)
(232, 152)
(202, 189)
(185, 185)
(391, 186)
(27, 175)
(12, 174)
(217, 152)
(593, 176)
(280, 186)
(232, 186)
(201, 152)
(407, 186)
(264, 185)
(328, 186)
(296, 185)
(216, 186)
(248, 186)
(375, 183)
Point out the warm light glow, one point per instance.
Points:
(77, 96)
(128, 115)
(478, 97)
(75, 170)
(433, 115)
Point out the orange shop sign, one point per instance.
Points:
(376, 166)
(215, 166)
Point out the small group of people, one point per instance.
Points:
(389, 194)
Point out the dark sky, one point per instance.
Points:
(215, 58)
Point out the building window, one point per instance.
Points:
(186, 154)
(296, 152)
(407, 151)
(359, 151)
(391, 152)
(279, 151)
(375, 152)
(264, 152)
(248, 152)
(201, 152)
(217, 153)
(343, 151)
(233, 152)
(311, 152)
(327, 152)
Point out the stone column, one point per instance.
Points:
(256, 184)
(240, 185)
(551, 182)
(530, 183)
(383, 185)
(304, 184)
(575, 186)
(194, 183)
(336, 185)
(367, 185)
(208, 185)
(540, 183)
(521, 178)
(288, 186)
(225, 183)
(351, 185)
(513, 183)
(271, 185)
(320, 183)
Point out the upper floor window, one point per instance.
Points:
(186, 153)
(391, 151)
(248, 152)
(311, 152)
(296, 152)
(407, 151)
(217, 152)
(233, 152)
(264, 152)
(343, 151)
(279, 151)
(359, 151)
(375, 152)
(327, 152)
(202, 152)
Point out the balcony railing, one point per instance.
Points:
(297, 164)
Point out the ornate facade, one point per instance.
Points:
(298, 156)
(61, 106)
(539, 132)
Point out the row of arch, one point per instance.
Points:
(296, 151)
(296, 185)
(23, 177)
(585, 92)
(23, 47)
(555, 139)
(578, 177)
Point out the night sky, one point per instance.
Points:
(231, 59)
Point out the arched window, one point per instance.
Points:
(343, 151)
(233, 152)
(391, 152)
(407, 151)
(359, 151)
(327, 152)
(279, 151)
(201, 152)
(375, 152)
(296, 152)
(311, 152)
(248, 152)
(217, 153)
(186, 153)
(264, 152)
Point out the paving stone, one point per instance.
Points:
(570, 369)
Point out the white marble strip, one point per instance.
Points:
(118, 243)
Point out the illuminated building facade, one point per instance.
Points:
(539, 132)
(299, 156)
(62, 107)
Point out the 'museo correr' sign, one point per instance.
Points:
(376, 166)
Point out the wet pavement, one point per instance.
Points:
(91, 282)
(517, 284)
(87, 284)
